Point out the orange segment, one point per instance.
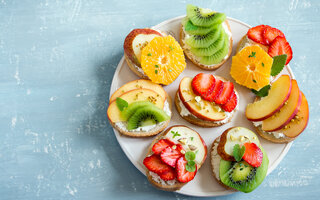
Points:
(163, 60)
(251, 67)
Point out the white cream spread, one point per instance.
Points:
(215, 159)
(123, 125)
(226, 29)
(157, 179)
(185, 112)
(274, 133)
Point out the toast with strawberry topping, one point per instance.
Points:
(172, 167)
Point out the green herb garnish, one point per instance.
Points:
(149, 54)
(278, 64)
(191, 165)
(190, 155)
(121, 103)
(262, 92)
(253, 54)
(262, 64)
(238, 152)
(156, 71)
(175, 134)
(254, 81)
(156, 66)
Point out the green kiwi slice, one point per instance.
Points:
(204, 17)
(145, 114)
(241, 175)
(213, 48)
(192, 29)
(218, 56)
(204, 41)
(133, 107)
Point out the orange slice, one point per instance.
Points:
(163, 60)
(251, 67)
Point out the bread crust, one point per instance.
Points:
(133, 68)
(154, 131)
(244, 39)
(213, 146)
(189, 54)
(176, 186)
(271, 138)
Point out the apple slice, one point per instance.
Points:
(137, 84)
(267, 106)
(136, 40)
(201, 108)
(233, 136)
(114, 114)
(286, 113)
(299, 122)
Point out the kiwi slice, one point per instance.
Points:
(213, 48)
(192, 29)
(204, 41)
(133, 107)
(241, 175)
(144, 114)
(204, 17)
(218, 56)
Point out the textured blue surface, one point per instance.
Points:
(57, 60)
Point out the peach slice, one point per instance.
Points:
(299, 122)
(202, 109)
(267, 106)
(135, 41)
(286, 113)
(137, 84)
(114, 114)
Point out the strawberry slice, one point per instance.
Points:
(170, 156)
(225, 93)
(231, 104)
(280, 46)
(203, 84)
(216, 91)
(155, 164)
(270, 33)
(253, 154)
(161, 145)
(169, 175)
(183, 175)
(256, 34)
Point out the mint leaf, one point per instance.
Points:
(278, 64)
(175, 134)
(262, 92)
(190, 156)
(191, 162)
(238, 152)
(190, 168)
(253, 55)
(189, 26)
(121, 103)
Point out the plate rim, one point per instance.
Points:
(138, 165)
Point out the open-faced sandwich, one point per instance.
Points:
(206, 37)
(206, 100)
(139, 108)
(282, 114)
(238, 160)
(174, 157)
(152, 55)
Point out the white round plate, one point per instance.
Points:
(204, 183)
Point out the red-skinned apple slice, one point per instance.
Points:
(286, 113)
(266, 107)
(201, 108)
(299, 122)
(136, 40)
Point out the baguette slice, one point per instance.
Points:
(160, 127)
(177, 185)
(199, 122)
(189, 54)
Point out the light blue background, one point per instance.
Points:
(57, 60)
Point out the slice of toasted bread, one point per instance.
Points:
(199, 122)
(215, 162)
(136, 69)
(246, 41)
(271, 137)
(189, 54)
(167, 187)
(160, 127)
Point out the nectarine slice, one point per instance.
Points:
(138, 84)
(201, 108)
(299, 122)
(267, 106)
(114, 114)
(286, 113)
